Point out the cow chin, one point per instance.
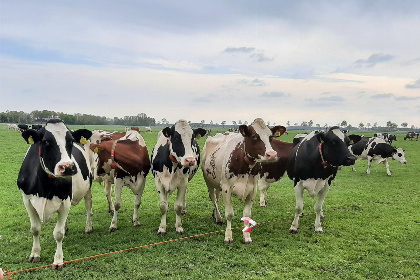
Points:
(349, 160)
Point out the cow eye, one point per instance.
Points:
(45, 142)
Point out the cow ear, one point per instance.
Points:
(278, 131)
(81, 135)
(244, 130)
(321, 137)
(167, 132)
(199, 132)
(31, 136)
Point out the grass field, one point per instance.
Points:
(371, 229)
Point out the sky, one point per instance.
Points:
(282, 61)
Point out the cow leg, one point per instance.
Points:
(36, 231)
(59, 232)
(318, 207)
(179, 205)
(247, 213)
(387, 167)
(369, 164)
(229, 213)
(118, 185)
(138, 193)
(89, 213)
(299, 207)
(108, 190)
(214, 196)
(263, 186)
(353, 168)
(164, 205)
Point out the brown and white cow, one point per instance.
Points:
(412, 135)
(228, 168)
(123, 160)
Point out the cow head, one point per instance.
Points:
(398, 154)
(257, 141)
(55, 143)
(181, 137)
(334, 148)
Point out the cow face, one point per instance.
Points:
(181, 142)
(399, 155)
(55, 146)
(257, 140)
(334, 147)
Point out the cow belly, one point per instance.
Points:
(79, 188)
(45, 207)
(171, 181)
(313, 186)
(242, 187)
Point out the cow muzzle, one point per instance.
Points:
(66, 169)
(271, 156)
(190, 162)
(350, 160)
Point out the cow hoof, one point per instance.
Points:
(219, 223)
(248, 241)
(181, 232)
(88, 231)
(228, 241)
(58, 267)
(161, 233)
(319, 231)
(263, 204)
(293, 231)
(112, 229)
(34, 259)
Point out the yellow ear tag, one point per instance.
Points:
(322, 141)
(351, 142)
(96, 150)
(83, 141)
(277, 134)
(198, 136)
(31, 140)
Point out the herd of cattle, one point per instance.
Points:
(60, 165)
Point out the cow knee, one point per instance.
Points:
(59, 235)
(163, 207)
(117, 206)
(35, 230)
(179, 209)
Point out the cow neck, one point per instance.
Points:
(173, 159)
(46, 170)
(114, 163)
(249, 159)
(324, 162)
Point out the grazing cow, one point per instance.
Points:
(12, 127)
(123, 160)
(54, 175)
(271, 172)
(377, 149)
(228, 168)
(412, 135)
(389, 138)
(23, 127)
(313, 165)
(175, 160)
(148, 129)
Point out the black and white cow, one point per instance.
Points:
(377, 149)
(23, 127)
(313, 165)
(54, 175)
(175, 160)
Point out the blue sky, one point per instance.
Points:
(295, 61)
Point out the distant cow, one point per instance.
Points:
(12, 127)
(175, 160)
(148, 129)
(228, 168)
(23, 127)
(411, 136)
(55, 174)
(377, 149)
(123, 160)
(313, 165)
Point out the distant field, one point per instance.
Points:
(371, 229)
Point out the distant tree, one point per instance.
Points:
(202, 122)
(245, 122)
(368, 125)
(361, 125)
(375, 125)
(223, 124)
(288, 123)
(239, 122)
(268, 123)
(318, 125)
(310, 123)
(304, 123)
(391, 125)
(404, 124)
(234, 124)
(343, 124)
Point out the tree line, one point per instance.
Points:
(75, 119)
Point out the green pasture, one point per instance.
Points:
(371, 229)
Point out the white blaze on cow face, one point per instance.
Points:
(181, 144)
(264, 134)
(60, 135)
(399, 156)
(339, 134)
